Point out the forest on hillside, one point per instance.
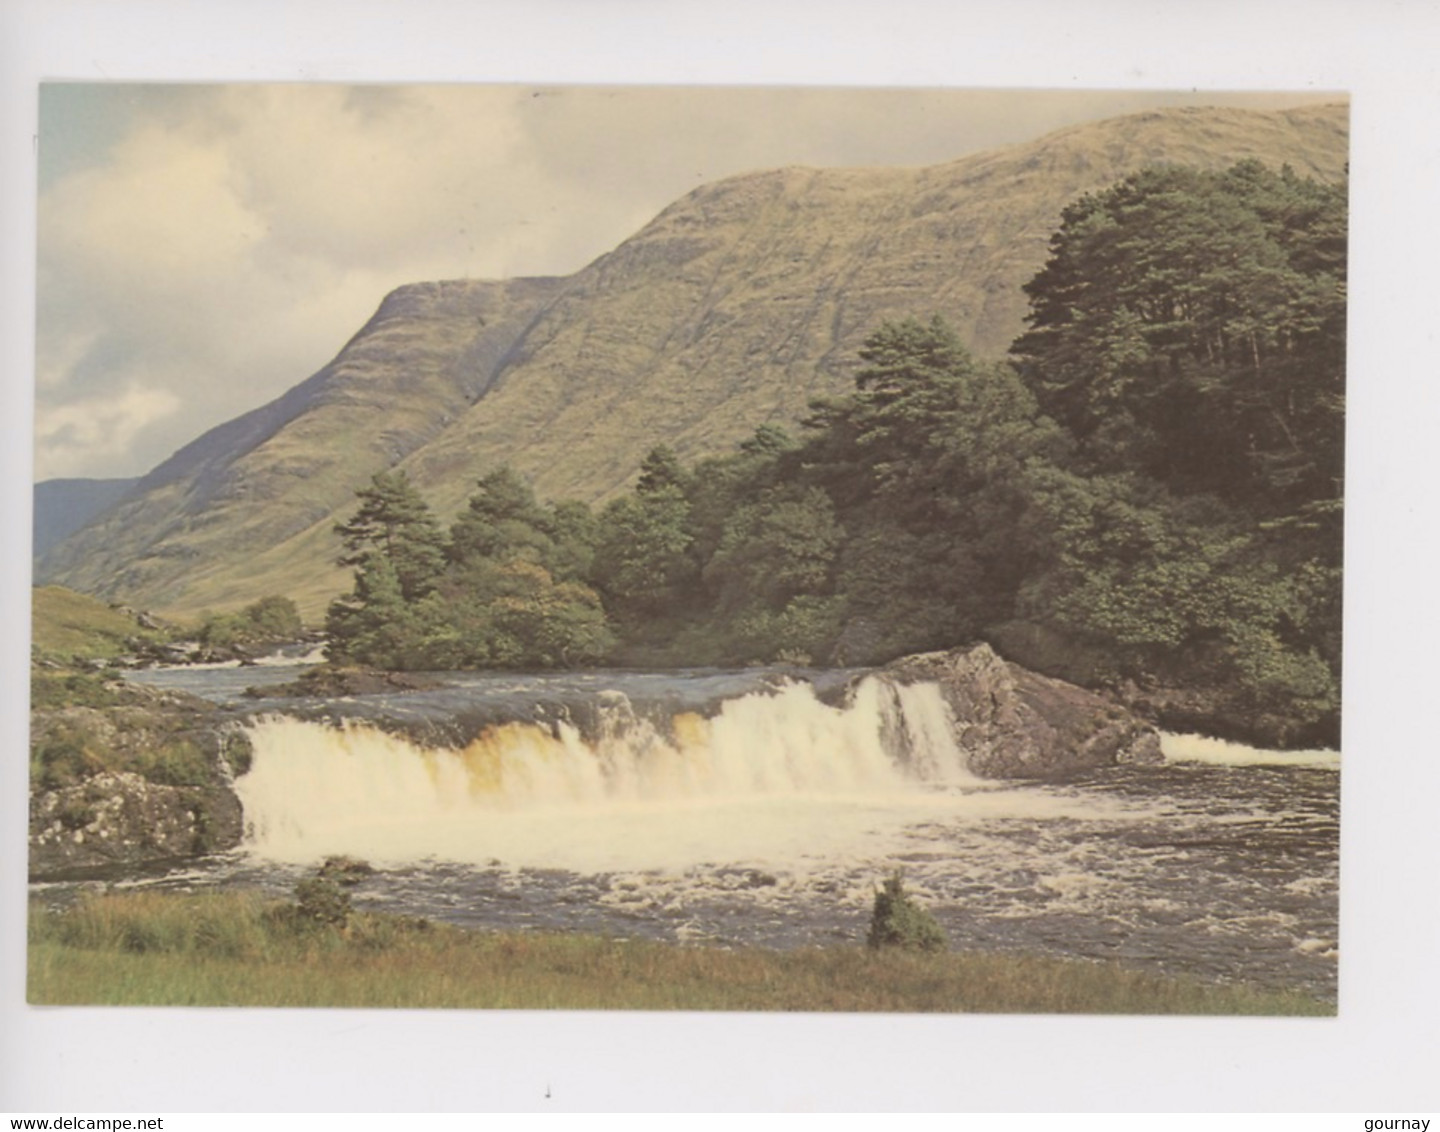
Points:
(1149, 490)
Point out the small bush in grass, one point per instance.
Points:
(321, 901)
(898, 921)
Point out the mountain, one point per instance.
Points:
(62, 507)
(734, 307)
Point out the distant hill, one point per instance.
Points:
(62, 507)
(65, 625)
(734, 307)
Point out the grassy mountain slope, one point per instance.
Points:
(65, 625)
(63, 506)
(198, 528)
(734, 307)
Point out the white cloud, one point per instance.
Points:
(79, 433)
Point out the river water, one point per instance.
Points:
(765, 808)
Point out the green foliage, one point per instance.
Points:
(321, 902)
(394, 525)
(376, 624)
(65, 755)
(1180, 587)
(1191, 325)
(897, 921)
(659, 470)
(641, 563)
(779, 547)
(1189, 333)
(271, 620)
(175, 761)
(513, 614)
(508, 594)
(73, 748)
(237, 750)
(503, 521)
(66, 626)
(275, 616)
(57, 688)
(925, 464)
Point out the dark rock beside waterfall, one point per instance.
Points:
(121, 818)
(1189, 694)
(123, 774)
(1013, 723)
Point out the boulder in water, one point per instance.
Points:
(1013, 723)
(345, 870)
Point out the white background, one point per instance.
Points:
(1379, 1056)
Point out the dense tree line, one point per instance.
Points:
(1153, 478)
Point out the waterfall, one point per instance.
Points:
(760, 764)
(1221, 752)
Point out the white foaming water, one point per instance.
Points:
(1220, 752)
(780, 778)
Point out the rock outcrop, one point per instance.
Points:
(121, 818)
(1014, 723)
(137, 776)
(1190, 694)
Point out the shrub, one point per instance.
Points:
(274, 617)
(173, 761)
(320, 901)
(63, 757)
(68, 688)
(238, 751)
(898, 921)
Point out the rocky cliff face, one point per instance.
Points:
(733, 308)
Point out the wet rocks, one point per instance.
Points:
(121, 818)
(344, 870)
(1013, 723)
(327, 682)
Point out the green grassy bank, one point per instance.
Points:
(236, 949)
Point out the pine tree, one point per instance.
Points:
(396, 524)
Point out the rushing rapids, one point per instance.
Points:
(744, 808)
(635, 793)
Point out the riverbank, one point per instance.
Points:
(237, 949)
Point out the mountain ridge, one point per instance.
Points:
(734, 307)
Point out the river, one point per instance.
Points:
(764, 808)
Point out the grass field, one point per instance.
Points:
(67, 624)
(236, 949)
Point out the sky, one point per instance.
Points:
(203, 248)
